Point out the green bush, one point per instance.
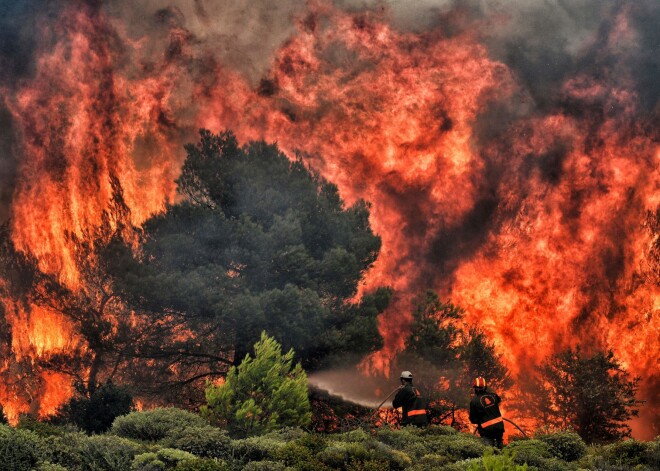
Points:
(255, 448)
(106, 453)
(491, 462)
(47, 466)
(430, 463)
(95, 413)
(19, 449)
(64, 450)
(156, 424)
(456, 447)
(164, 458)
(652, 455)
(368, 453)
(533, 452)
(147, 462)
(43, 429)
(202, 464)
(626, 453)
(463, 465)
(205, 441)
(264, 466)
(286, 434)
(313, 442)
(293, 453)
(399, 439)
(262, 394)
(567, 446)
(437, 430)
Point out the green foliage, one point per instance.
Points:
(592, 395)
(156, 424)
(164, 458)
(457, 447)
(108, 453)
(202, 464)
(567, 446)
(531, 452)
(204, 441)
(257, 243)
(47, 466)
(96, 413)
(19, 449)
(256, 448)
(363, 452)
(626, 453)
(41, 428)
(264, 393)
(266, 465)
(430, 463)
(491, 462)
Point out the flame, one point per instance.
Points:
(537, 233)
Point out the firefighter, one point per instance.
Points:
(485, 412)
(411, 402)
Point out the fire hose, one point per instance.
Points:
(512, 423)
(381, 404)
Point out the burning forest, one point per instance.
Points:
(491, 168)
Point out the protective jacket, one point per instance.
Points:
(485, 412)
(413, 405)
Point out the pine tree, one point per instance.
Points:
(261, 394)
(591, 394)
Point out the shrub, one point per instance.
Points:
(264, 466)
(293, 454)
(107, 453)
(96, 413)
(64, 450)
(437, 430)
(652, 455)
(202, 464)
(156, 424)
(463, 465)
(262, 394)
(312, 442)
(164, 458)
(398, 439)
(456, 447)
(19, 449)
(368, 453)
(256, 448)
(491, 462)
(627, 453)
(430, 463)
(532, 452)
(147, 462)
(43, 429)
(47, 466)
(567, 446)
(205, 441)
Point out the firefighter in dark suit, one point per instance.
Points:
(485, 412)
(411, 402)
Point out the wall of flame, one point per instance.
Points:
(526, 210)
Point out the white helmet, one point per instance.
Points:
(406, 375)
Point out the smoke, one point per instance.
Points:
(353, 385)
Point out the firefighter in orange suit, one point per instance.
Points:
(411, 402)
(485, 412)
